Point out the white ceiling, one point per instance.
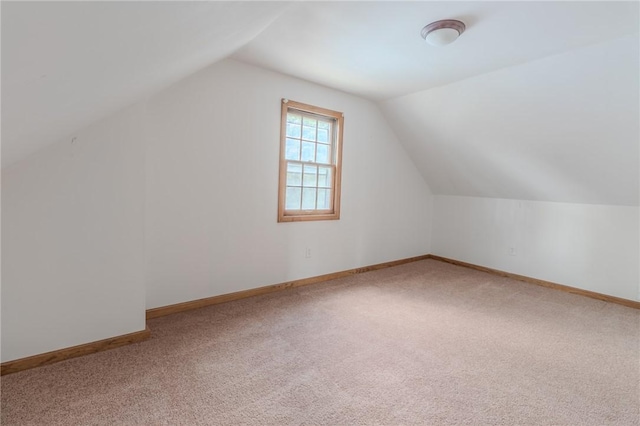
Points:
(490, 125)
(374, 49)
(564, 128)
(67, 64)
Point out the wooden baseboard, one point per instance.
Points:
(73, 352)
(587, 293)
(200, 303)
(139, 336)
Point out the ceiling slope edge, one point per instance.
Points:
(18, 145)
(565, 128)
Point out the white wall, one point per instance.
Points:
(72, 240)
(178, 196)
(592, 247)
(212, 185)
(562, 129)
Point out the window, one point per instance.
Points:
(310, 167)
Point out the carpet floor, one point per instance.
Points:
(426, 343)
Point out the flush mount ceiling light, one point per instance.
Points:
(441, 33)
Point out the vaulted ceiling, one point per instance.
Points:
(564, 128)
(68, 64)
(536, 100)
(374, 49)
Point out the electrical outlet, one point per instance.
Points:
(512, 251)
(307, 253)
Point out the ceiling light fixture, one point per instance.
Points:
(441, 33)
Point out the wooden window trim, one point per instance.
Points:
(334, 213)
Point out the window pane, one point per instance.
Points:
(308, 199)
(324, 199)
(324, 125)
(292, 151)
(310, 175)
(293, 130)
(324, 177)
(309, 133)
(294, 118)
(323, 135)
(322, 155)
(308, 151)
(294, 174)
(311, 122)
(292, 201)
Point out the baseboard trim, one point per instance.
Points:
(53, 357)
(543, 283)
(73, 352)
(223, 298)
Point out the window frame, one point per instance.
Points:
(337, 117)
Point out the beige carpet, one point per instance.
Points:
(424, 343)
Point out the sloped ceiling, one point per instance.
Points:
(67, 64)
(536, 100)
(564, 128)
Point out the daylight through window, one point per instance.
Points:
(310, 151)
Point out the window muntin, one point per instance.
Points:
(309, 163)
